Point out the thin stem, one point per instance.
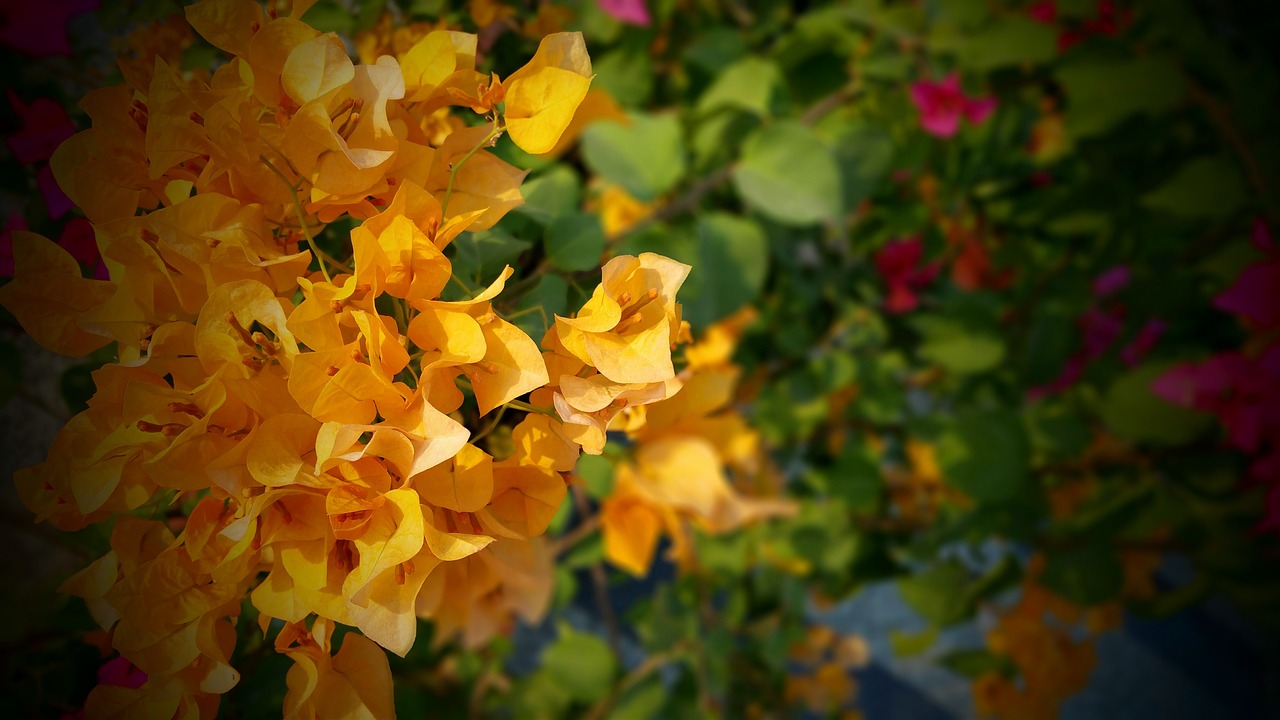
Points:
(453, 171)
(492, 425)
(651, 664)
(521, 405)
(302, 218)
(582, 531)
(598, 582)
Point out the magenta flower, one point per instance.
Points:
(40, 28)
(1139, 347)
(632, 12)
(45, 125)
(1256, 293)
(1111, 281)
(119, 671)
(943, 103)
(899, 264)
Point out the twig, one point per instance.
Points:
(453, 170)
(582, 531)
(651, 664)
(302, 218)
(598, 582)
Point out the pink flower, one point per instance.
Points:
(1044, 11)
(44, 126)
(1256, 293)
(40, 28)
(1111, 281)
(119, 671)
(897, 262)
(55, 201)
(1139, 347)
(632, 12)
(943, 103)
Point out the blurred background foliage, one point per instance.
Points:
(1004, 286)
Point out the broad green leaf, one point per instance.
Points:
(730, 259)
(1136, 413)
(1208, 187)
(985, 454)
(646, 158)
(1009, 40)
(575, 242)
(596, 472)
(789, 174)
(905, 645)
(537, 309)
(752, 84)
(581, 664)
(936, 593)
(1087, 575)
(1102, 92)
(549, 195)
(960, 348)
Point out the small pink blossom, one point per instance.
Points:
(119, 671)
(55, 201)
(1141, 345)
(899, 264)
(1255, 294)
(943, 103)
(632, 12)
(45, 125)
(1111, 281)
(39, 29)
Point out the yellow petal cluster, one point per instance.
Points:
(692, 458)
(299, 419)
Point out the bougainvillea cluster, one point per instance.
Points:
(303, 408)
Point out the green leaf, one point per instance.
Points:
(789, 174)
(581, 664)
(985, 454)
(1009, 40)
(551, 194)
(957, 347)
(479, 257)
(642, 700)
(905, 645)
(537, 309)
(1207, 187)
(1086, 575)
(626, 74)
(856, 479)
(330, 16)
(1136, 413)
(753, 84)
(1102, 92)
(730, 259)
(575, 242)
(865, 153)
(936, 593)
(646, 158)
(596, 472)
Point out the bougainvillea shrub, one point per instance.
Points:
(640, 358)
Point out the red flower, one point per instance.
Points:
(898, 262)
(943, 103)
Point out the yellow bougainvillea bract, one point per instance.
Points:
(305, 407)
